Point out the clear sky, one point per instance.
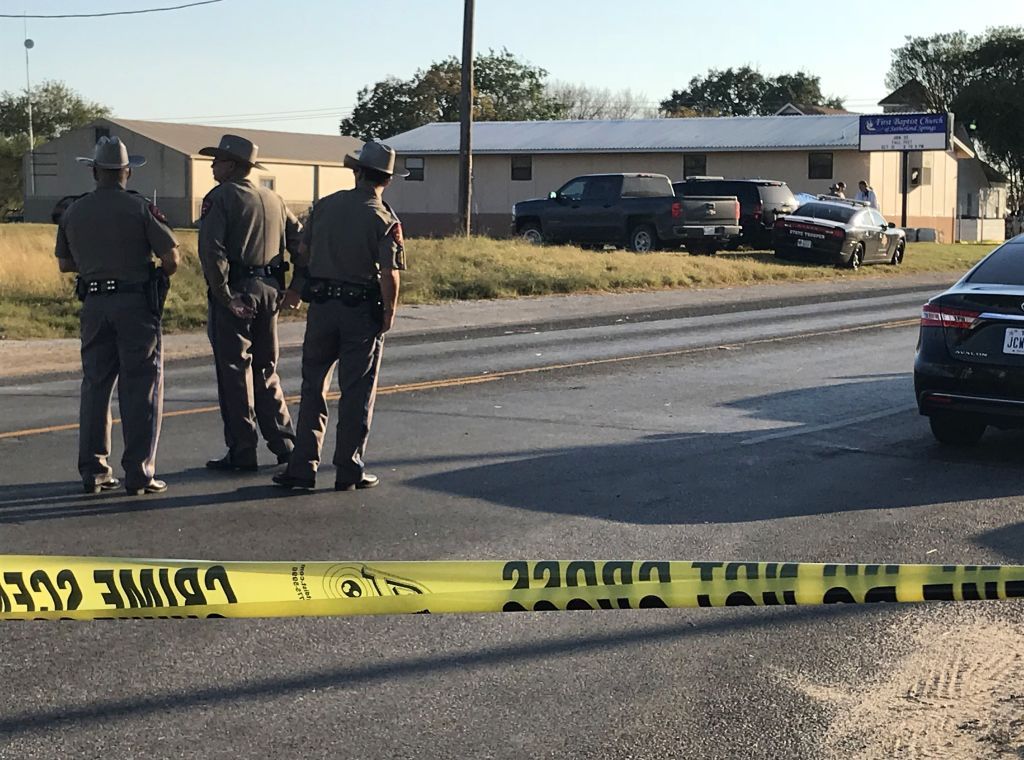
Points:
(297, 66)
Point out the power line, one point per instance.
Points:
(112, 13)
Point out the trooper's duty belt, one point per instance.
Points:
(107, 287)
(270, 270)
(349, 293)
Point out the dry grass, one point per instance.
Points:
(36, 300)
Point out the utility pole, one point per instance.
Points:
(905, 173)
(466, 127)
(29, 44)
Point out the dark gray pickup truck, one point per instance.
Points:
(639, 211)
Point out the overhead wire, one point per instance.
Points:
(111, 13)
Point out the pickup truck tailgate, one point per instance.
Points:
(711, 211)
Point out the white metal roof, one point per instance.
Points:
(733, 133)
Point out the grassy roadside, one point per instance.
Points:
(36, 300)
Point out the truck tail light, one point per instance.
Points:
(939, 316)
(677, 209)
(758, 210)
(737, 210)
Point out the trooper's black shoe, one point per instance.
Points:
(368, 481)
(227, 463)
(284, 480)
(109, 484)
(153, 486)
(284, 458)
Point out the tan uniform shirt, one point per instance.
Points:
(243, 224)
(350, 237)
(111, 233)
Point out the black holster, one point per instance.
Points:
(156, 290)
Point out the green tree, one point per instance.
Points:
(943, 63)
(745, 92)
(800, 88)
(505, 89)
(992, 102)
(56, 108)
(728, 92)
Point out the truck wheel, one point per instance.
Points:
(642, 239)
(531, 233)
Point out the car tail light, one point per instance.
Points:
(838, 233)
(677, 209)
(758, 210)
(939, 316)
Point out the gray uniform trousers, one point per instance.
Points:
(349, 337)
(245, 354)
(121, 342)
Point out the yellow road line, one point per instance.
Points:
(490, 377)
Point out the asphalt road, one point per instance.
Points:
(786, 433)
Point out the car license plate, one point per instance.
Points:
(803, 243)
(709, 230)
(1013, 343)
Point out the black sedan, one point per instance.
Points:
(969, 370)
(839, 231)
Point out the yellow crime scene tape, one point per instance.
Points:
(98, 588)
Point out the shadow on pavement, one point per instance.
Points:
(367, 675)
(823, 464)
(22, 503)
(849, 446)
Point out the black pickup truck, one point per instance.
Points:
(639, 211)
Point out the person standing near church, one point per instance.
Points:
(867, 194)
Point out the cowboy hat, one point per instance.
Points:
(235, 148)
(111, 153)
(374, 155)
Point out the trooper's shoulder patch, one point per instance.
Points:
(155, 211)
(396, 234)
(207, 203)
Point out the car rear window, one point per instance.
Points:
(780, 194)
(1005, 266)
(827, 211)
(699, 187)
(646, 187)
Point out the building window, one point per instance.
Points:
(522, 168)
(695, 165)
(101, 132)
(819, 166)
(414, 165)
(268, 182)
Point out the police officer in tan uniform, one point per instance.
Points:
(348, 268)
(109, 236)
(244, 232)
